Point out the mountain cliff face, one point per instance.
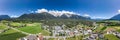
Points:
(4, 17)
(116, 17)
(45, 15)
(37, 16)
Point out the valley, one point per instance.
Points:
(101, 30)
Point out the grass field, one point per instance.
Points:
(15, 24)
(2, 26)
(31, 28)
(11, 35)
(34, 28)
(117, 28)
(98, 29)
(111, 37)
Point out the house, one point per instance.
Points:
(40, 37)
(118, 35)
(85, 32)
(22, 38)
(101, 36)
(89, 31)
(58, 28)
(71, 33)
(110, 31)
(45, 27)
(30, 37)
(90, 39)
(67, 32)
(94, 36)
(33, 37)
(76, 32)
(115, 33)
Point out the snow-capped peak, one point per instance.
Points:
(57, 13)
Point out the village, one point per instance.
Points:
(60, 33)
(79, 32)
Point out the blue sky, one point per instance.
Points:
(93, 8)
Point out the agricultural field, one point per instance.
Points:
(34, 28)
(16, 30)
(98, 29)
(11, 35)
(2, 26)
(116, 28)
(15, 24)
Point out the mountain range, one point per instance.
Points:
(46, 15)
(4, 17)
(116, 17)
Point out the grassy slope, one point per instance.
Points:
(11, 35)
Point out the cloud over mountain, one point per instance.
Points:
(41, 14)
(86, 15)
(118, 12)
(56, 12)
(41, 10)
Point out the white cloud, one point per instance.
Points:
(41, 10)
(59, 13)
(14, 16)
(86, 15)
(118, 12)
(56, 12)
(98, 17)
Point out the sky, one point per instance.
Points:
(93, 8)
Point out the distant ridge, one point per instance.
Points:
(116, 17)
(46, 15)
(4, 17)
